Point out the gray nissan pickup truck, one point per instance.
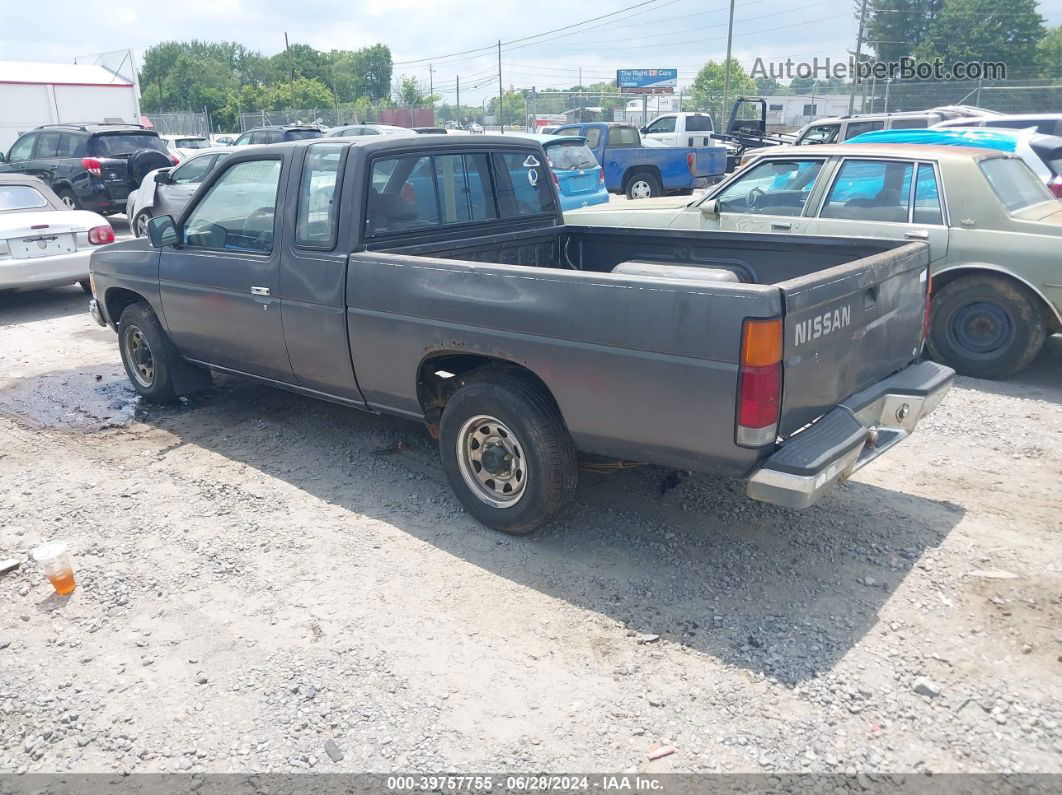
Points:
(434, 278)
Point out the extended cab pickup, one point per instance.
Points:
(644, 171)
(434, 279)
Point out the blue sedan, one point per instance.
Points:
(578, 176)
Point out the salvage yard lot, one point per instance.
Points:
(260, 573)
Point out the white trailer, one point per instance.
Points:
(32, 94)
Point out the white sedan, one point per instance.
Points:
(42, 243)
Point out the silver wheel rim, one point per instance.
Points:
(641, 190)
(141, 362)
(68, 201)
(140, 228)
(492, 461)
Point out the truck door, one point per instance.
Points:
(890, 198)
(771, 196)
(219, 288)
(662, 130)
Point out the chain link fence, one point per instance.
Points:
(181, 123)
(331, 117)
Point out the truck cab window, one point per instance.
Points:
(401, 195)
(523, 184)
(622, 137)
(464, 188)
(821, 134)
(316, 222)
(665, 124)
(870, 190)
(774, 187)
(238, 211)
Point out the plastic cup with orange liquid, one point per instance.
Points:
(58, 567)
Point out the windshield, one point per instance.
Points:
(20, 197)
(191, 143)
(570, 155)
(1014, 183)
(121, 144)
(301, 135)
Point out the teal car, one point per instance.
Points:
(579, 178)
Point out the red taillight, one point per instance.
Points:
(92, 166)
(1056, 186)
(759, 383)
(691, 163)
(98, 235)
(601, 176)
(174, 159)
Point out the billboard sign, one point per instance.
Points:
(647, 81)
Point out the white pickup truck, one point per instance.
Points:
(680, 129)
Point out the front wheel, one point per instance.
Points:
(644, 185)
(506, 452)
(147, 353)
(985, 326)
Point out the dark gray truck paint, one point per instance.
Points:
(640, 368)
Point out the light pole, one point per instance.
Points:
(888, 82)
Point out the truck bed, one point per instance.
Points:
(639, 335)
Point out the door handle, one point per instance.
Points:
(781, 225)
(259, 291)
(917, 234)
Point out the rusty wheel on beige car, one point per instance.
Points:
(506, 452)
(985, 326)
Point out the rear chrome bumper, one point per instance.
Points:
(850, 436)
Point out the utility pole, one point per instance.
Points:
(858, 52)
(431, 82)
(459, 100)
(726, 63)
(501, 116)
(291, 69)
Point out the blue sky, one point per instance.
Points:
(661, 33)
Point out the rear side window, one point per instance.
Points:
(870, 190)
(47, 146)
(699, 123)
(71, 146)
(859, 127)
(623, 136)
(908, 124)
(118, 144)
(927, 208)
(822, 134)
(523, 184)
(1014, 183)
(315, 226)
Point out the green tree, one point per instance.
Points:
(706, 93)
(896, 28)
(985, 30)
(768, 85)
(1050, 50)
(409, 93)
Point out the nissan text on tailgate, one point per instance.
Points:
(435, 279)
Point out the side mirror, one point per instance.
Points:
(2, 158)
(162, 231)
(709, 208)
(163, 178)
(643, 130)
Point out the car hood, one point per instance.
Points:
(20, 224)
(659, 203)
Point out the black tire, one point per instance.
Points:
(86, 286)
(537, 434)
(69, 199)
(643, 181)
(985, 326)
(151, 374)
(141, 217)
(143, 161)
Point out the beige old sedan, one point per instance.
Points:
(994, 230)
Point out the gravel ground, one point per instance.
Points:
(269, 583)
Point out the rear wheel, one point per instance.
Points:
(86, 285)
(985, 326)
(506, 452)
(67, 197)
(140, 223)
(147, 353)
(644, 185)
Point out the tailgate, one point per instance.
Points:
(848, 327)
